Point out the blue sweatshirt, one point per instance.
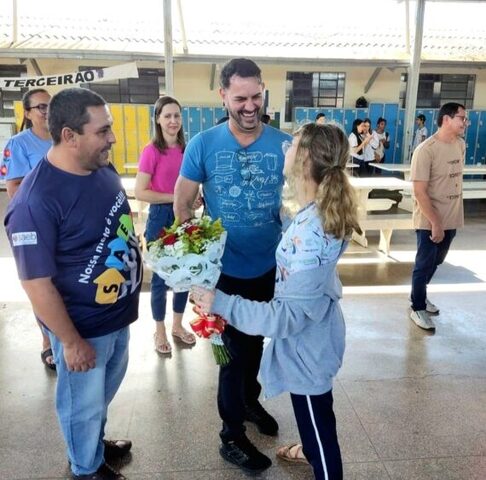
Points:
(304, 320)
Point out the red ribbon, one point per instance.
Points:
(206, 324)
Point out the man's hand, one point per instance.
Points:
(80, 356)
(202, 298)
(437, 233)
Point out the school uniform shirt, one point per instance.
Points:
(22, 153)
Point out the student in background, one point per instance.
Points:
(320, 118)
(158, 170)
(421, 133)
(21, 154)
(382, 138)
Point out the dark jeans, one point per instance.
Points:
(429, 256)
(238, 386)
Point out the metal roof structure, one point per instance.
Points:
(312, 32)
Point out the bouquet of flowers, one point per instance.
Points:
(188, 254)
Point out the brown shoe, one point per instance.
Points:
(292, 453)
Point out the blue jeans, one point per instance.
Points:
(82, 398)
(429, 256)
(160, 216)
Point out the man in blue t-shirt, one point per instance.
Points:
(240, 166)
(78, 259)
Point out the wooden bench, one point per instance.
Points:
(385, 223)
(473, 189)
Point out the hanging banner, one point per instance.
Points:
(128, 70)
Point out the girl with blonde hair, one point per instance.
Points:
(304, 320)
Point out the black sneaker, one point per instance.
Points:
(244, 454)
(262, 419)
(116, 449)
(105, 472)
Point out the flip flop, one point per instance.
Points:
(45, 355)
(165, 348)
(292, 453)
(185, 337)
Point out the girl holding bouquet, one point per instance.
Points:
(304, 320)
(158, 169)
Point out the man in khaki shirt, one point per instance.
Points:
(437, 166)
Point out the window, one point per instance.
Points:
(8, 97)
(145, 89)
(435, 89)
(313, 90)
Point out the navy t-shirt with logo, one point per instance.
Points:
(78, 230)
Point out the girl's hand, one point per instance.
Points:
(202, 298)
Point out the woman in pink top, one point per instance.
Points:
(158, 170)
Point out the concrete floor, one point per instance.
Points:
(409, 405)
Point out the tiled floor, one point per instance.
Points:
(410, 405)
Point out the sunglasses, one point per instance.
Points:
(42, 107)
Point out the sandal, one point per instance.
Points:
(165, 348)
(185, 337)
(292, 453)
(47, 358)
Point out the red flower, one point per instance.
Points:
(169, 239)
(192, 229)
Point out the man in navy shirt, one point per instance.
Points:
(78, 259)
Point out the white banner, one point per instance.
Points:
(128, 70)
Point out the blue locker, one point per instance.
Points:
(481, 139)
(219, 112)
(399, 138)
(338, 116)
(300, 115)
(362, 113)
(349, 118)
(207, 118)
(376, 110)
(471, 136)
(185, 119)
(390, 114)
(328, 112)
(194, 120)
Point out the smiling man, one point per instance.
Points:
(240, 166)
(77, 257)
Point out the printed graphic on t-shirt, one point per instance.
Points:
(246, 186)
(123, 271)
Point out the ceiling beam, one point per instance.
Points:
(372, 79)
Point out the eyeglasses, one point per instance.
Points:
(42, 107)
(462, 117)
(286, 146)
(245, 166)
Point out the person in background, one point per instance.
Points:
(382, 138)
(369, 150)
(421, 133)
(158, 169)
(304, 320)
(266, 118)
(21, 154)
(78, 259)
(239, 164)
(437, 167)
(358, 139)
(320, 118)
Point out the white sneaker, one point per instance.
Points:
(429, 306)
(421, 319)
